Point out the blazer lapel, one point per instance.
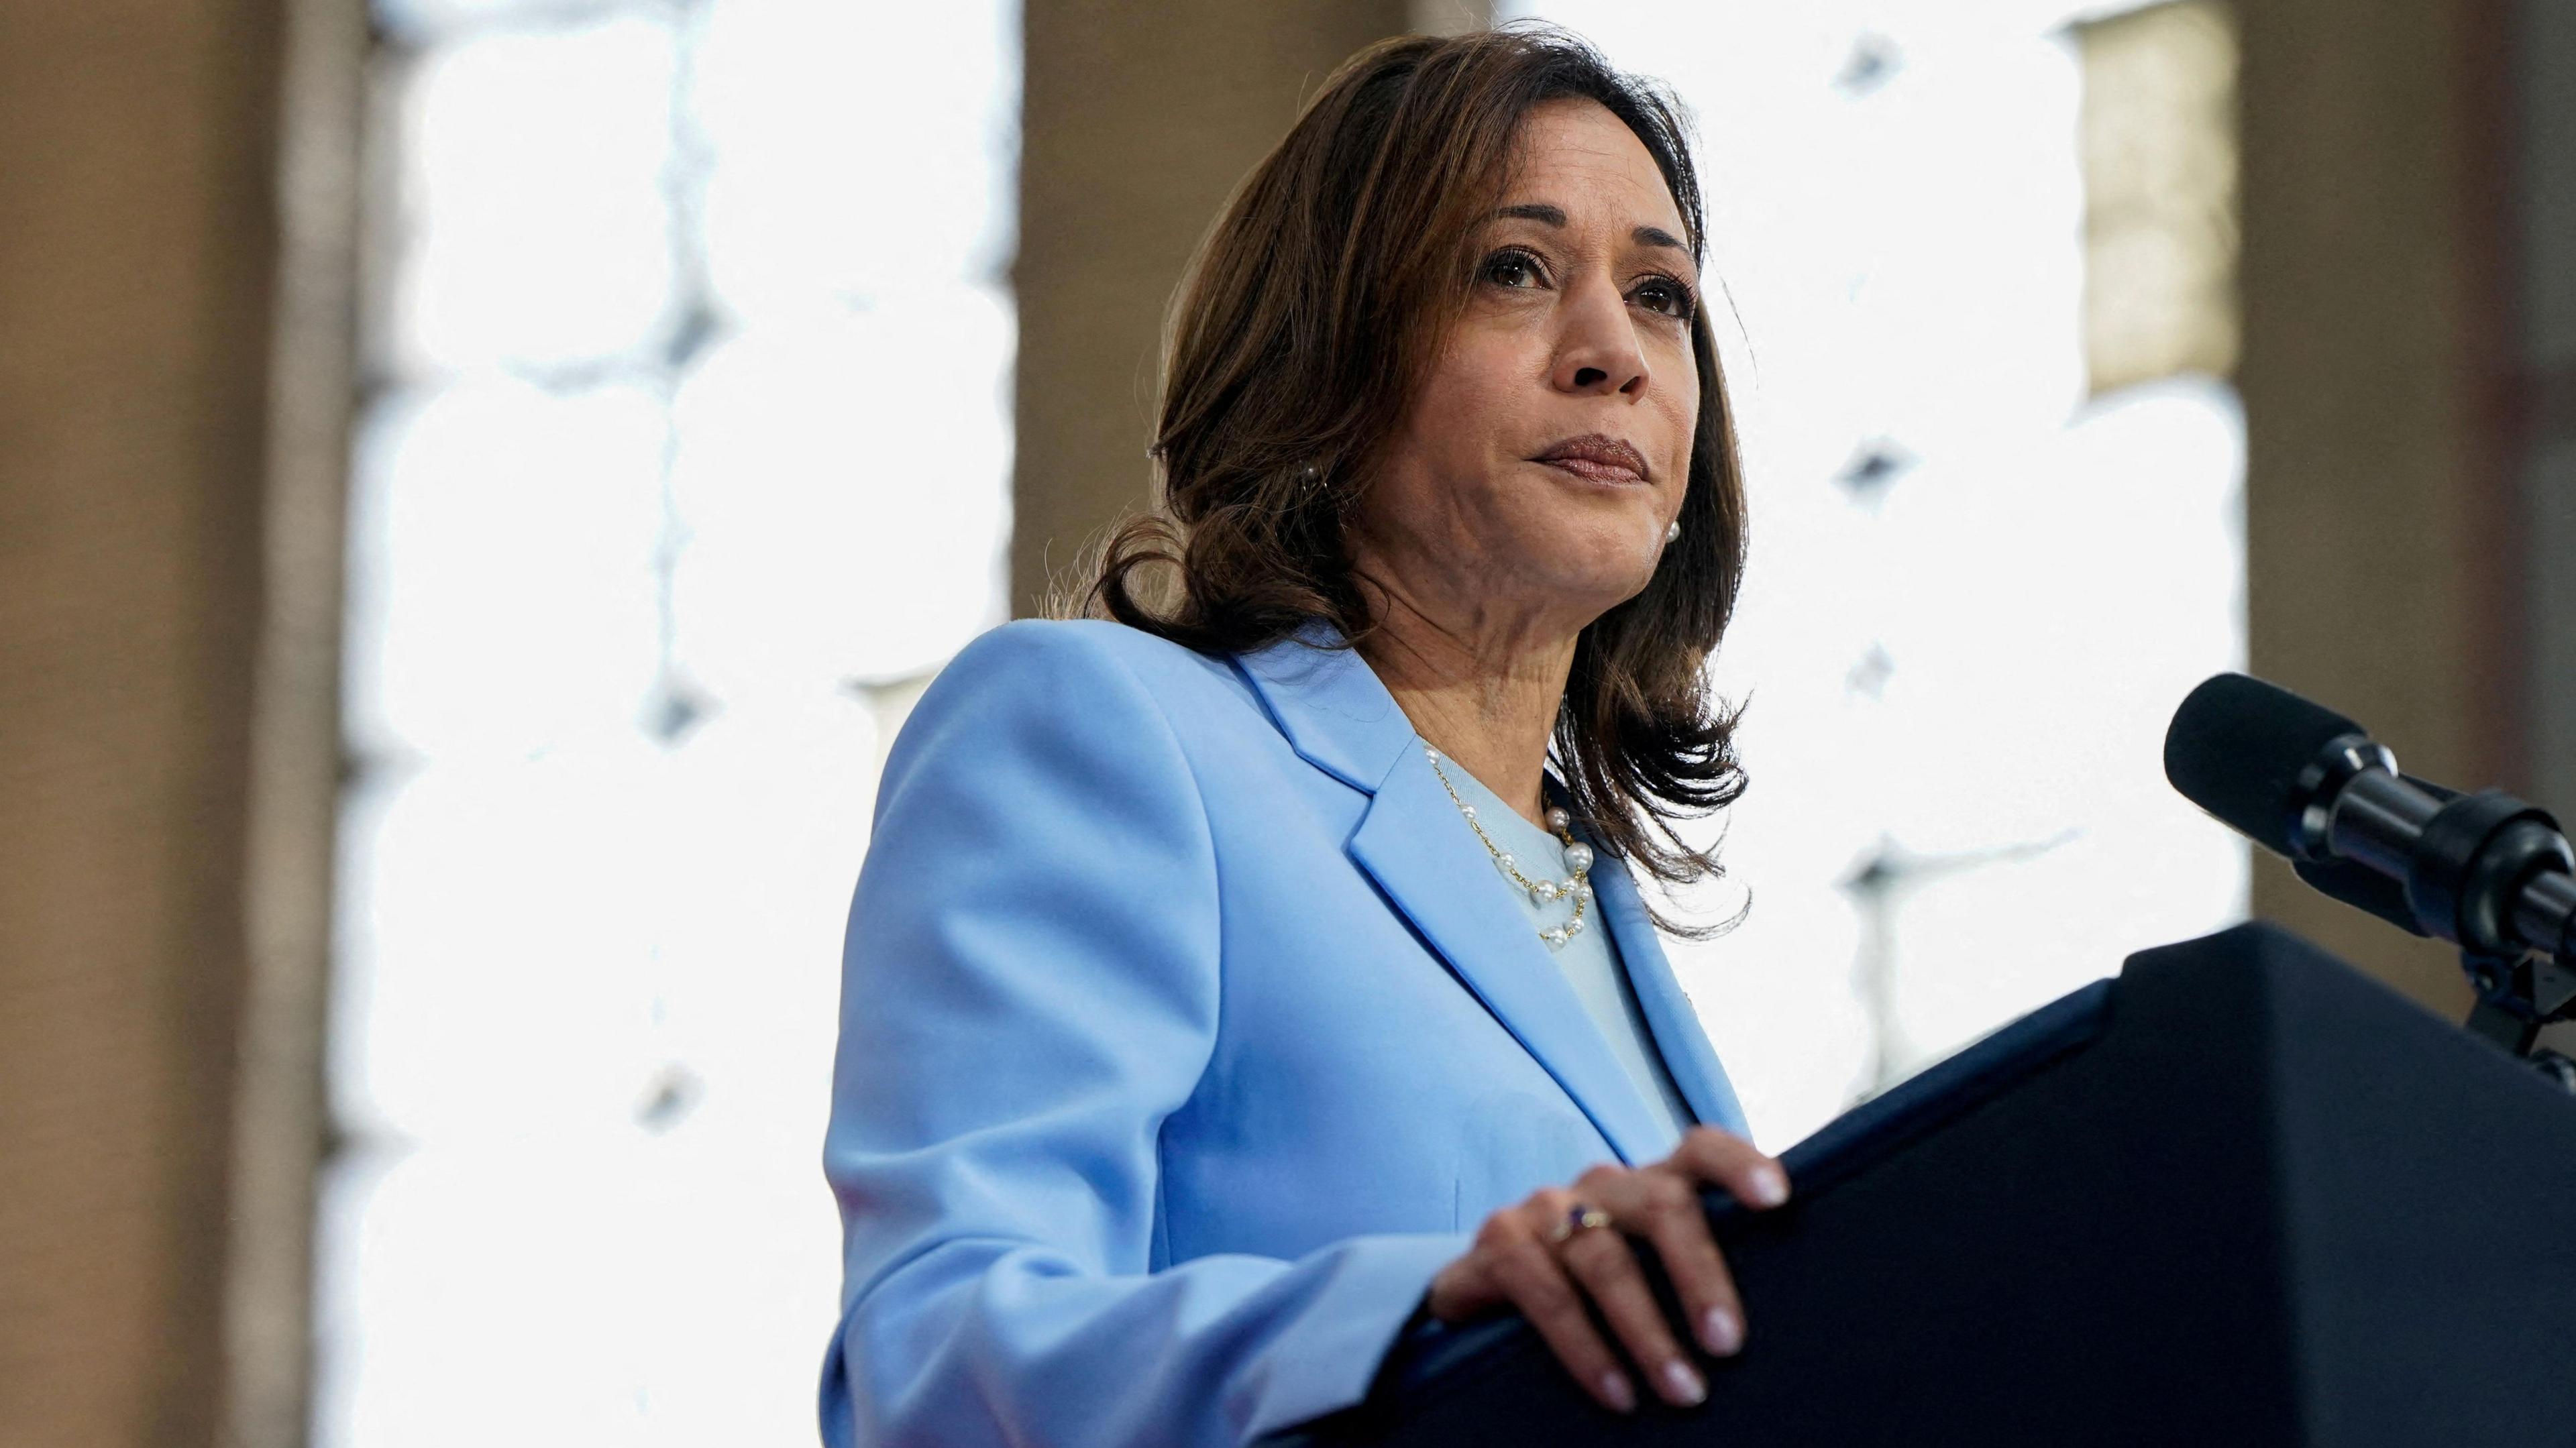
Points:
(1669, 1014)
(1421, 854)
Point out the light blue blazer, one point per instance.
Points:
(1186, 1032)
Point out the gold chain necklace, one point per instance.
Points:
(1576, 886)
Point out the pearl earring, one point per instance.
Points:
(1673, 534)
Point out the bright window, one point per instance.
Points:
(687, 458)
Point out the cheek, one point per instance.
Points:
(1472, 398)
(1684, 422)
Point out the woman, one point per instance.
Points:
(1225, 983)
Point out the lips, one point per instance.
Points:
(1599, 458)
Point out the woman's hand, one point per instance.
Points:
(1534, 1257)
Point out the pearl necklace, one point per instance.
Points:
(1578, 860)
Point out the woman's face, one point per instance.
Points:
(1534, 475)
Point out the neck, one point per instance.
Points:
(1483, 690)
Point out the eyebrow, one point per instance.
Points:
(1547, 215)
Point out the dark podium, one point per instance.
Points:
(2238, 1195)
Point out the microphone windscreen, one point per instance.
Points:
(2236, 748)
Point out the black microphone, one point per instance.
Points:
(2485, 871)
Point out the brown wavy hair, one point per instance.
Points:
(1297, 338)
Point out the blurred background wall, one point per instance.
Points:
(1114, 194)
(140, 249)
(496, 980)
(2405, 369)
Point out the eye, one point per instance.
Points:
(1665, 296)
(1515, 268)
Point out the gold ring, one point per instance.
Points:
(1579, 1218)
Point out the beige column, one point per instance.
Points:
(2383, 556)
(137, 250)
(2542, 45)
(1139, 119)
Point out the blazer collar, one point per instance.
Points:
(1329, 703)
(1411, 841)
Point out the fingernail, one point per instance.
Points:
(1682, 1385)
(1720, 1332)
(1614, 1386)
(1769, 1186)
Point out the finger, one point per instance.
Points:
(1606, 1266)
(1542, 1289)
(1468, 1286)
(1662, 1204)
(1677, 1224)
(1529, 1273)
(1463, 1289)
(1732, 1162)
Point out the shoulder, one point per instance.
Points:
(1074, 690)
(1082, 652)
(1072, 671)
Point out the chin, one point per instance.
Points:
(1609, 578)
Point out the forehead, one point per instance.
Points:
(1577, 155)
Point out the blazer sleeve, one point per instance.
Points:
(1029, 988)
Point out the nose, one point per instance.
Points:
(1597, 351)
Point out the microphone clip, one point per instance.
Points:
(2479, 857)
(2517, 995)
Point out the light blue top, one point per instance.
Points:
(1590, 962)
(1183, 1040)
